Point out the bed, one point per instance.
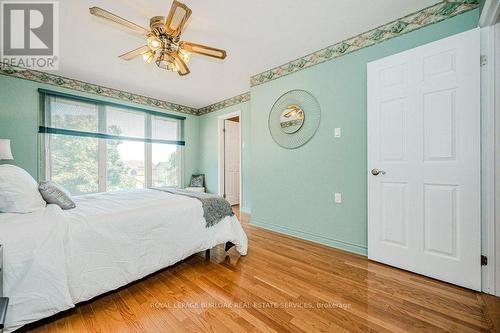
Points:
(54, 259)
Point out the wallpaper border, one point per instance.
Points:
(90, 88)
(422, 18)
(245, 97)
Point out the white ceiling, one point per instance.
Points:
(258, 35)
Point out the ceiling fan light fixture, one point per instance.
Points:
(154, 43)
(182, 68)
(148, 56)
(185, 55)
(163, 43)
(166, 61)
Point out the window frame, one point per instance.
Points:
(45, 166)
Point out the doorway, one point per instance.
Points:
(230, 157)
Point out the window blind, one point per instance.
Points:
(78, 116)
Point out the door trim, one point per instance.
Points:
(489, 228)
(220, 145)
(490, 13)
(497, 161)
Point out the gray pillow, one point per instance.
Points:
(197, 181)
(56, 194)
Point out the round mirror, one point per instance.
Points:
(291, 119)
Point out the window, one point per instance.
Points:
(91, 146)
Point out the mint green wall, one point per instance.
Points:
(19, 122)
(209, 150)
(293, 190)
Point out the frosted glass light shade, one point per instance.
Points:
(5, 152)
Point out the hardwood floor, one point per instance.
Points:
(283, 285)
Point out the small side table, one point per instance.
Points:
(4, 301)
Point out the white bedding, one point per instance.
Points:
(34, 269)
(54, 259)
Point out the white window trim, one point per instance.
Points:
(180, 157)
(102, 159)
(148, 153)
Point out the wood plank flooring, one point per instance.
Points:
(283, 285)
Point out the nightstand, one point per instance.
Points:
(4, 301)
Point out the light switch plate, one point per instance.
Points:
(338, 197)
(338, 132)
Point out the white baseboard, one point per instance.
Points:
(335, 243)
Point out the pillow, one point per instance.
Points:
(197, 181)
(56, 194)
(18, 191)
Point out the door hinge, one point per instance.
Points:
(483, 60)
(484, 260)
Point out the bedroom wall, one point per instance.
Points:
(209, 150)
(19, 122)
(293, 190)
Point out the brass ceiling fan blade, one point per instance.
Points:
(135, 53)
(203, 50)
(182, 68)
(97, 11)
(177, 18)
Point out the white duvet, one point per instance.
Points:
(54, 259)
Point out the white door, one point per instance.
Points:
(424, 137)
(232, 161)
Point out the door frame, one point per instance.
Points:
(220, 145)
(490, 140)
(496, 263)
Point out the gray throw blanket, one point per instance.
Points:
(215, 208)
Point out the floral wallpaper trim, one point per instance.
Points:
(427, 16)
(245, 97)
(60, 81)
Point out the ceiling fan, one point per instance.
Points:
(163, 39)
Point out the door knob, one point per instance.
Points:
(377, 172)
